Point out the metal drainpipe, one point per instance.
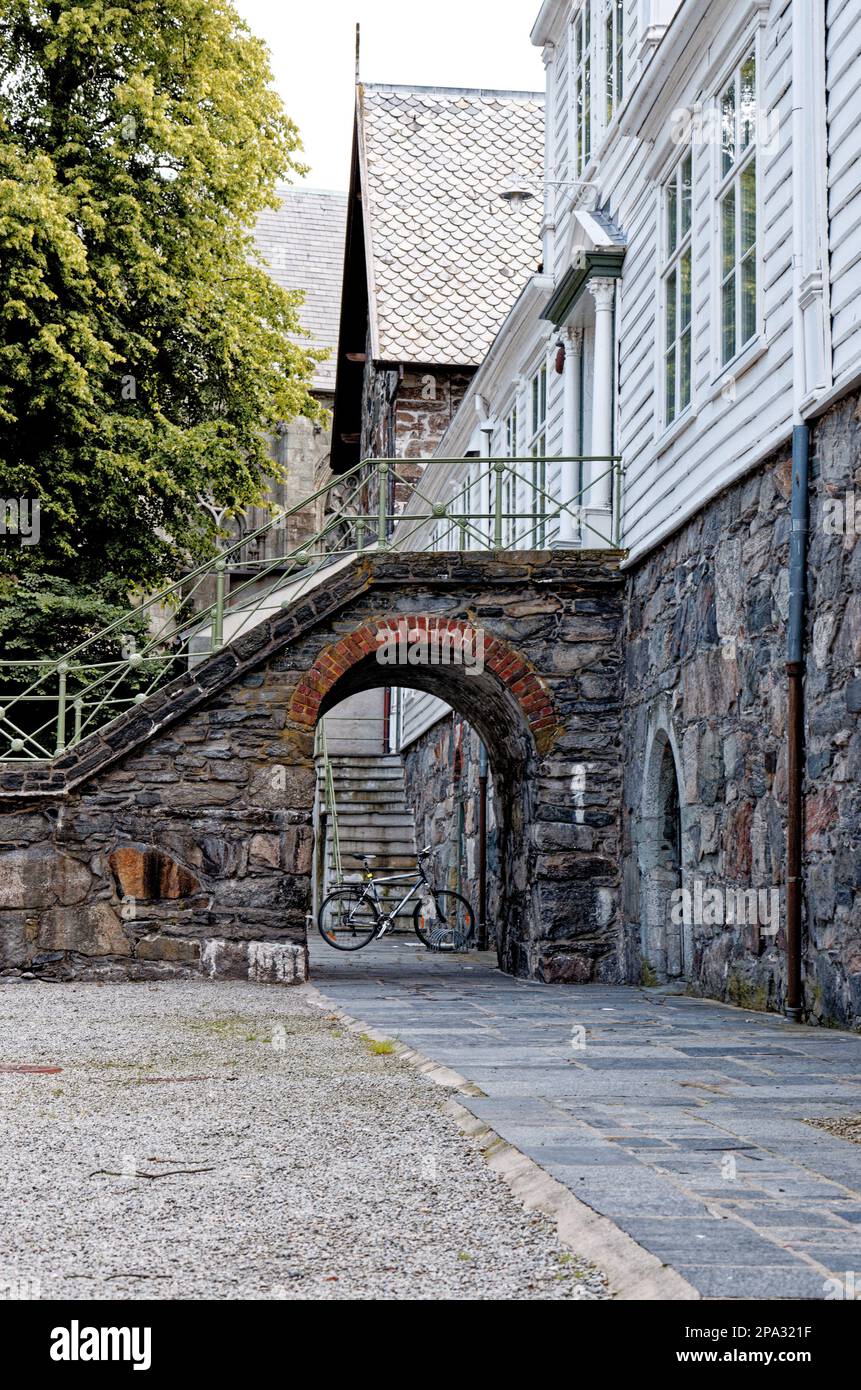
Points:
(387, 721)
(795, 715)
(482, 848)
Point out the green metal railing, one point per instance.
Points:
(331, 803)
(49, 705)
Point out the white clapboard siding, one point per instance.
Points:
(420, 712)
(843, 57)
(669, 472)
(741, 412)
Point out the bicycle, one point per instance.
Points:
(352, 916)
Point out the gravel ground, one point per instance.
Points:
(228, 1141)
(845, 1127)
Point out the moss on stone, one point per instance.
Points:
(747, 995)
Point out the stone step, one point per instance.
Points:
(368, 774)
(366, 831)
(356, 816)
(360, 783)
(373, 820)
(380, 859)
(372, 762)
(394, 794)
(381, 855)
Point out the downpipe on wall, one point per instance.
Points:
(482, 848)
(795, 716)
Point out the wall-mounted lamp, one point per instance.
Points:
(520, 189)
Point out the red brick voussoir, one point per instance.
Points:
(509, 668)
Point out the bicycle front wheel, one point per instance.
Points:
(346, 920)
(445, 922)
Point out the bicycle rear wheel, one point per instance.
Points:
(347, 920)
(445, 922)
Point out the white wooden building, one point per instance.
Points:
(701, 260)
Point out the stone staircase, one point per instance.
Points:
(373, 819)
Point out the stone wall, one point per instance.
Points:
(407, 410)
(406, 413)
(441, 773)
(832, 812)
(706, 695)
(179, 838)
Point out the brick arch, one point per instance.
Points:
(511, 669)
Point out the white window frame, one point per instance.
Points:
(583, 79)
(614, 72)
(672, 256)
(728, 181)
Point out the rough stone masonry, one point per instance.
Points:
(179, 840)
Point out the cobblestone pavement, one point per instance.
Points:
(681, 1120)
(196, 1140)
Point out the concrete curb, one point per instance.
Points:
(633, 1273)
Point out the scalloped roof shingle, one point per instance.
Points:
(447, 255)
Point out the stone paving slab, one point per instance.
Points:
(680, 1119)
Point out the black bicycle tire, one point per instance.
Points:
(340, 893)
(444, 893)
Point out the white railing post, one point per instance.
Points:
(484, 503)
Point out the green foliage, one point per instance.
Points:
(38, 604)
(143, 354)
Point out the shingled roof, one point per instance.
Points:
(302, 246)
(447, 257)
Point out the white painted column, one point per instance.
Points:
(603, 292)
(569, 529)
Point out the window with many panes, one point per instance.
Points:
(582, 57)
(737, 216)
(678, 237)
(538, 450)
(614, 55)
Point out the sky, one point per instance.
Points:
(446, 43)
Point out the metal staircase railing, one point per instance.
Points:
(332, 833)
(50, 704)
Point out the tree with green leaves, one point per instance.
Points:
(144, 353)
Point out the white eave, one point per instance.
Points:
(548, 21)
(373, 322)
(597, 234)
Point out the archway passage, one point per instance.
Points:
(217, 772)
(483, 679)
(663, 942)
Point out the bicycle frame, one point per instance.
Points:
(384, 923)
